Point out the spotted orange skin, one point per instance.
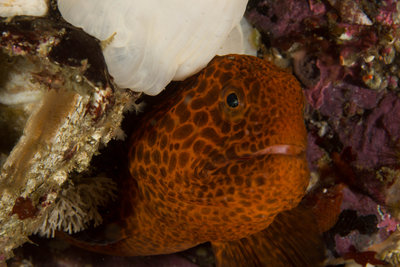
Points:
(194, 174)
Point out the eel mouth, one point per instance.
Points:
(291, 150)
(279, 149)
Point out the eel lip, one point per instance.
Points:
(290, 150)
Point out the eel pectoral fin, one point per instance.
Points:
(105, 239)
(292, 239)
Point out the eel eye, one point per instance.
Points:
(232, 100)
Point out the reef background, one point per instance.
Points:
(346, 55)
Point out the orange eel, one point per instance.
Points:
(216, 162)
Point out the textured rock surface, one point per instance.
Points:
(76, 109)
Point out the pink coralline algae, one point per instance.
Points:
(386, 11)
(273, 18)
(366, 121)
(346, 55)
(362, 222)
(387, 222)
(338, 40)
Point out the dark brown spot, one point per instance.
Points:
(182, 112)
(205, 210)
(160, 196)
(168, 123)
(198, 145)
(239, 126)
(207, 149)
(200, 118)
(215, 219)
(197, 103)
(227, 66)
(258, 197)
(156, 156)
(142, 172)
(163, 172)
(210, 134)
(204, 188)
(248, 182)
(239, 135)
(218, 158)
(152, 138)
(245, 145)
(183, 131)
(225, 77)
(234, 170)
(260, 144)
(147, 157)
(231, 153)
(253, 117)
(239, 210)
(212, 95)
(171, 185)
(226, 127)
(219, 193)
(188, 142)
(202, 86)
(248, 81)
(163, 142)
(165, 157)
(228, 179)
(212, 185)
(238, 180)
(224, 170)
(216, 116)
(253, 148)
(266, 142)
(245, 218)
(231, 190)
(154, 169)
(209, 166)
(183, 159)
(254, 91)
(272, 112)
(198, 216)
(257, 128)
(260, 180)
(245, 203)
(172, 163)
(209, 71)
(153, 181)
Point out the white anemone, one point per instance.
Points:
(157, 41)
